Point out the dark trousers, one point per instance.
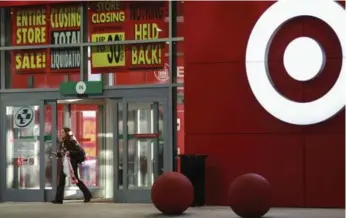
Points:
(62, 180)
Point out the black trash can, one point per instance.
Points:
(193, 167)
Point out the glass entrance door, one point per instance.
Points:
(23, 167)
(139, 145)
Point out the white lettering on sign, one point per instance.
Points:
(303, 60)
(180, 71)
(65, 58)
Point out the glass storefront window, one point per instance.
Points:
(133, 64)
(105, 21)
(135, 70)
(46, 24)
(127, 20)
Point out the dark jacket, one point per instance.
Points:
(72, 147)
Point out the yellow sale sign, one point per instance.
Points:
(110, 55)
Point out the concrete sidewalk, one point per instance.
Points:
(111, 210)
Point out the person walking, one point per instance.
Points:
(69, 146)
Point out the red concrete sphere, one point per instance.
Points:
(249, 196)
(172, 193)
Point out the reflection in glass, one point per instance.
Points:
(22, 147)
(144, 133)
(120, 146)
(48, 146)
(88, 171)
(48, 143)
(84, 127)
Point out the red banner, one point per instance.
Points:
(42, 25)
(107, 21)
(111, 21)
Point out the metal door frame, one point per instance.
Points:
(24, 195)
(49, 194)
(137, 195)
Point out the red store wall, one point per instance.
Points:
(304, 164)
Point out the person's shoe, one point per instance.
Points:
(56, 202)
(87, 199)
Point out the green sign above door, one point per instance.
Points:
(81, 88)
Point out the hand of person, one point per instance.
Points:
(59, 154)
(67, 153)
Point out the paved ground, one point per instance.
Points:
(110, 210)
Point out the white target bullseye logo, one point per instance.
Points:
(304, 59)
